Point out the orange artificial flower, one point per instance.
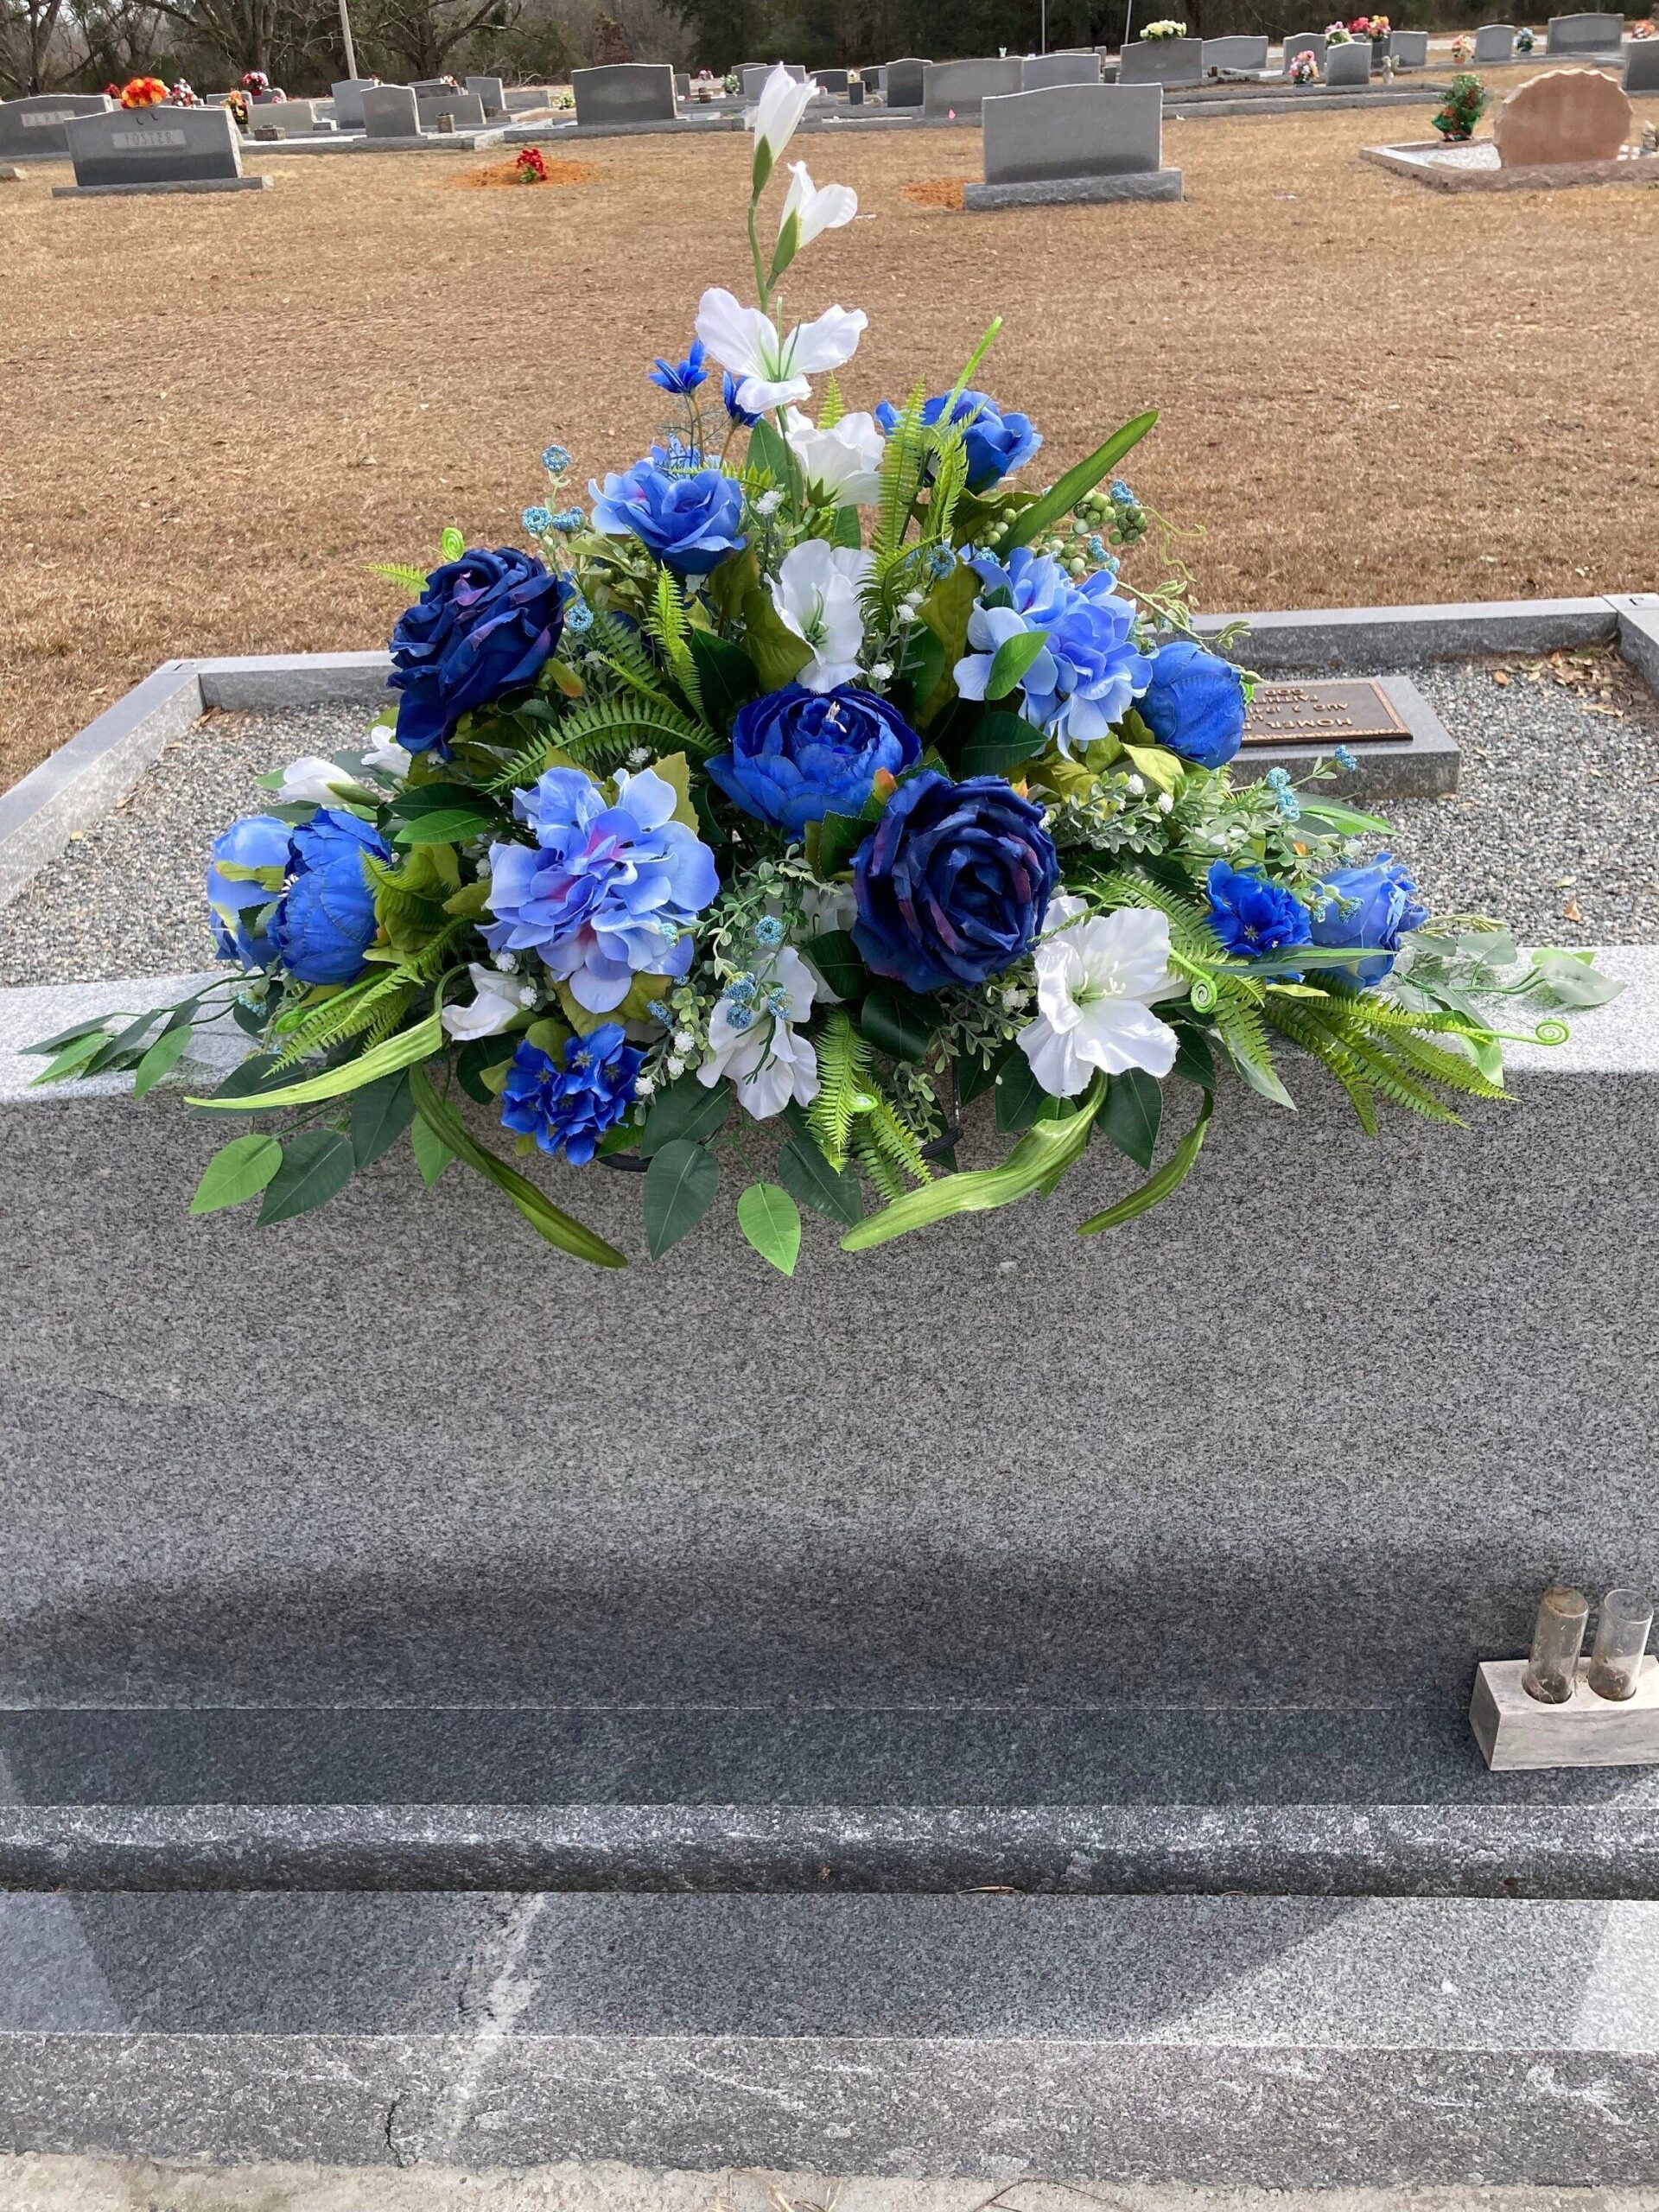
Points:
(142, 91)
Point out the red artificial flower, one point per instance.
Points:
(142, 91)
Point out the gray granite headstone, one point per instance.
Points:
(755, 73)
(1408, 50)
(1161, 61)
(1038, 72)
(390, 112)
(1586, 34)
(1239, 53)
(1642, 66)
(348, 101)
(155, 145)
(1494, 42)
(958, 87)
(832, 81)
(1074, 141)
(625, 91)
(1304, 42)
(465, 109)
(1350, 64)
(492, 92)
(293, 119)
(38, 124)
(901, 82)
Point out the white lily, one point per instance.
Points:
(1096, 982)
(817, 594)
(383, 752)
(312, 781)
(776, 117)
(496, 1000)
(845, 461)
(815, 209)
(757, 1044)
(773, 371)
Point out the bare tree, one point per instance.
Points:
(421, 35)
(26, 32)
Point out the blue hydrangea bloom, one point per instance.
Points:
(1089, 671)
(608, 891)
(537, 520)
(258, 841)
(1370, 906)
(995, 445)
(798, 755)
(1194, 703)
(1253, 917)
(689, 518)
(325, 920)
(485, 625)
(681, 378)
(953, 885)
(729, 387)
(568, 1107)
(555, 460)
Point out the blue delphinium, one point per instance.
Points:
(258, 841)
(1372, 906)
(729, 387)
(797, 755)
(681, 378)
(689, 518)
(1089, 671)
(608, 891)
(568, 1107)
(953, 885)
(325, 920)
(995, 443)
(1194, 703)
(485, 625)
(1252, 916)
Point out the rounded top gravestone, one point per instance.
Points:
(1567, 115)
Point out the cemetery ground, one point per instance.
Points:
(224, 410)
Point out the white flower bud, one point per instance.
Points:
(882, 672)
(684, 1040)
(1138, 786)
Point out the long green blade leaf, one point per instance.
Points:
(1170, 1177)
(1044, 1153)
(1060, 499)
(400, 1051)
(538, 1209)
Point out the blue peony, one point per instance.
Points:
(607, 892)
(995, 445)
(681, 378)
(568, 1108)
(485, 625)
(325, 921)
(1194, 703)
(258, 841)
(954, 883)
(1254, 916)
(798, 755)
(1370, 906)
(689, 516)
(1089, 671)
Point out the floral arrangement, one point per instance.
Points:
(1644, 29)
(241, 111)
(530, 166)
(1524, 41)
(1304, 67)
(815, 790)
(1166, 27)
(1337, 34)
(1370, 27)
(253, 82)
(1465, 103)
(142, 91)
(184, 94)
(1463, 47)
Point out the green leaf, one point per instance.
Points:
(976, 1077)
(1161, 768)
(767, 450)
(1194, 1061)
(400, 1051)
(1020, 1097)
(1037, 1162)
(778, 654)
(844, 531)
(1170, 1177)
(1059, 500)
(316, 1166)
(380, 1114)
(898, 1022)
(687, 1109)
(71, 1060)
(924, 668)
(475, 1061)
(1013, 658)
(1134, 1108)
(809, 1177)
(999, 744)
(769, 1217)
(236, 1171)
(97, 1027)
(1571, 978)
(162, 1055)
(538, 1209)
(1346, 819)
(680, 1187)
(838, 960)
(839, 838)
(243, 1080)
(726, 675)
(432, 1155)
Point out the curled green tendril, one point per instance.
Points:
(1203, 994)
(1551, 1032)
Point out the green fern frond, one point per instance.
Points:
(876, 1164)
(352, 1013)
(388, 1016)
(601, 734)
(833, 406)
(1292, 1020)
(1190, 931)
(902, 464)
(667, 624)
(1448, 1068)
(950, 481)
(894, 1142)
(413, 580)
(1354, 1056)
(845, 1089)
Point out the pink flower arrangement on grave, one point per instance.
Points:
(1304, 69)
(254, 81)
(184, 94)
(1461, 49)
(1644, 29)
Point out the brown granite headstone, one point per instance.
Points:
(1566, 115)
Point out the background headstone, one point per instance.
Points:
(492, 92)
(1161, 61)
(390, 112)
(1074, 143)
(156, 145)
(1566, 115)
(1312, 43)
(1350, 64)
(901, 82)
(38, 124)
(1040, 71)
(1642, 66)
(959, 87)
(1408, 50)
(1239, 53)
(290, 118)
(466, 108)
(348, 101)
(625, 91)
(832, 81)
(1494, 42)
(1588, 34)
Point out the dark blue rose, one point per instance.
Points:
(954, 883)
(996, 444)
(798, 755)
(567, 1105)
(691, 518)
(485, 624)
(1194, 704)
(1370, 906)
(325, 921)
(1253, 917)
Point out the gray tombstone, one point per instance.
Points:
(1039, 72)
(492, 92)
(755, 73)
(625, 91)
(422, 86)
(1348, 65)
(901, 82)
(1494, 42)
(1304, 42)
(1642, 66)
(1590, 34)
(270, 98)
(1071, 142)
(38, 124)
(390, 112)
(142, 149)
(348, 101)
(832, 81)
(465, 110)
(289, 118)
(1408, 50)
(1161, 61)
(1241, 53)
(958, 87)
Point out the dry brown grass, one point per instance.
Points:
(221, 410)
(554, 171)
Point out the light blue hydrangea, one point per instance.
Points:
(1088, 673)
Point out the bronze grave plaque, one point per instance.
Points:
(1322, 714)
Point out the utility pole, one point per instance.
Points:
(345, 34)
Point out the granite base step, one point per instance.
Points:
(1295, 2042)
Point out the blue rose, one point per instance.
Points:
(1251, 915)
(1369, 906)
(995, 445)
(691, 518)
(567, 1105)
(1195, 703)
(325, 920)
(259, 843)
(798, 755)
(953, 885)
(485, 624)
